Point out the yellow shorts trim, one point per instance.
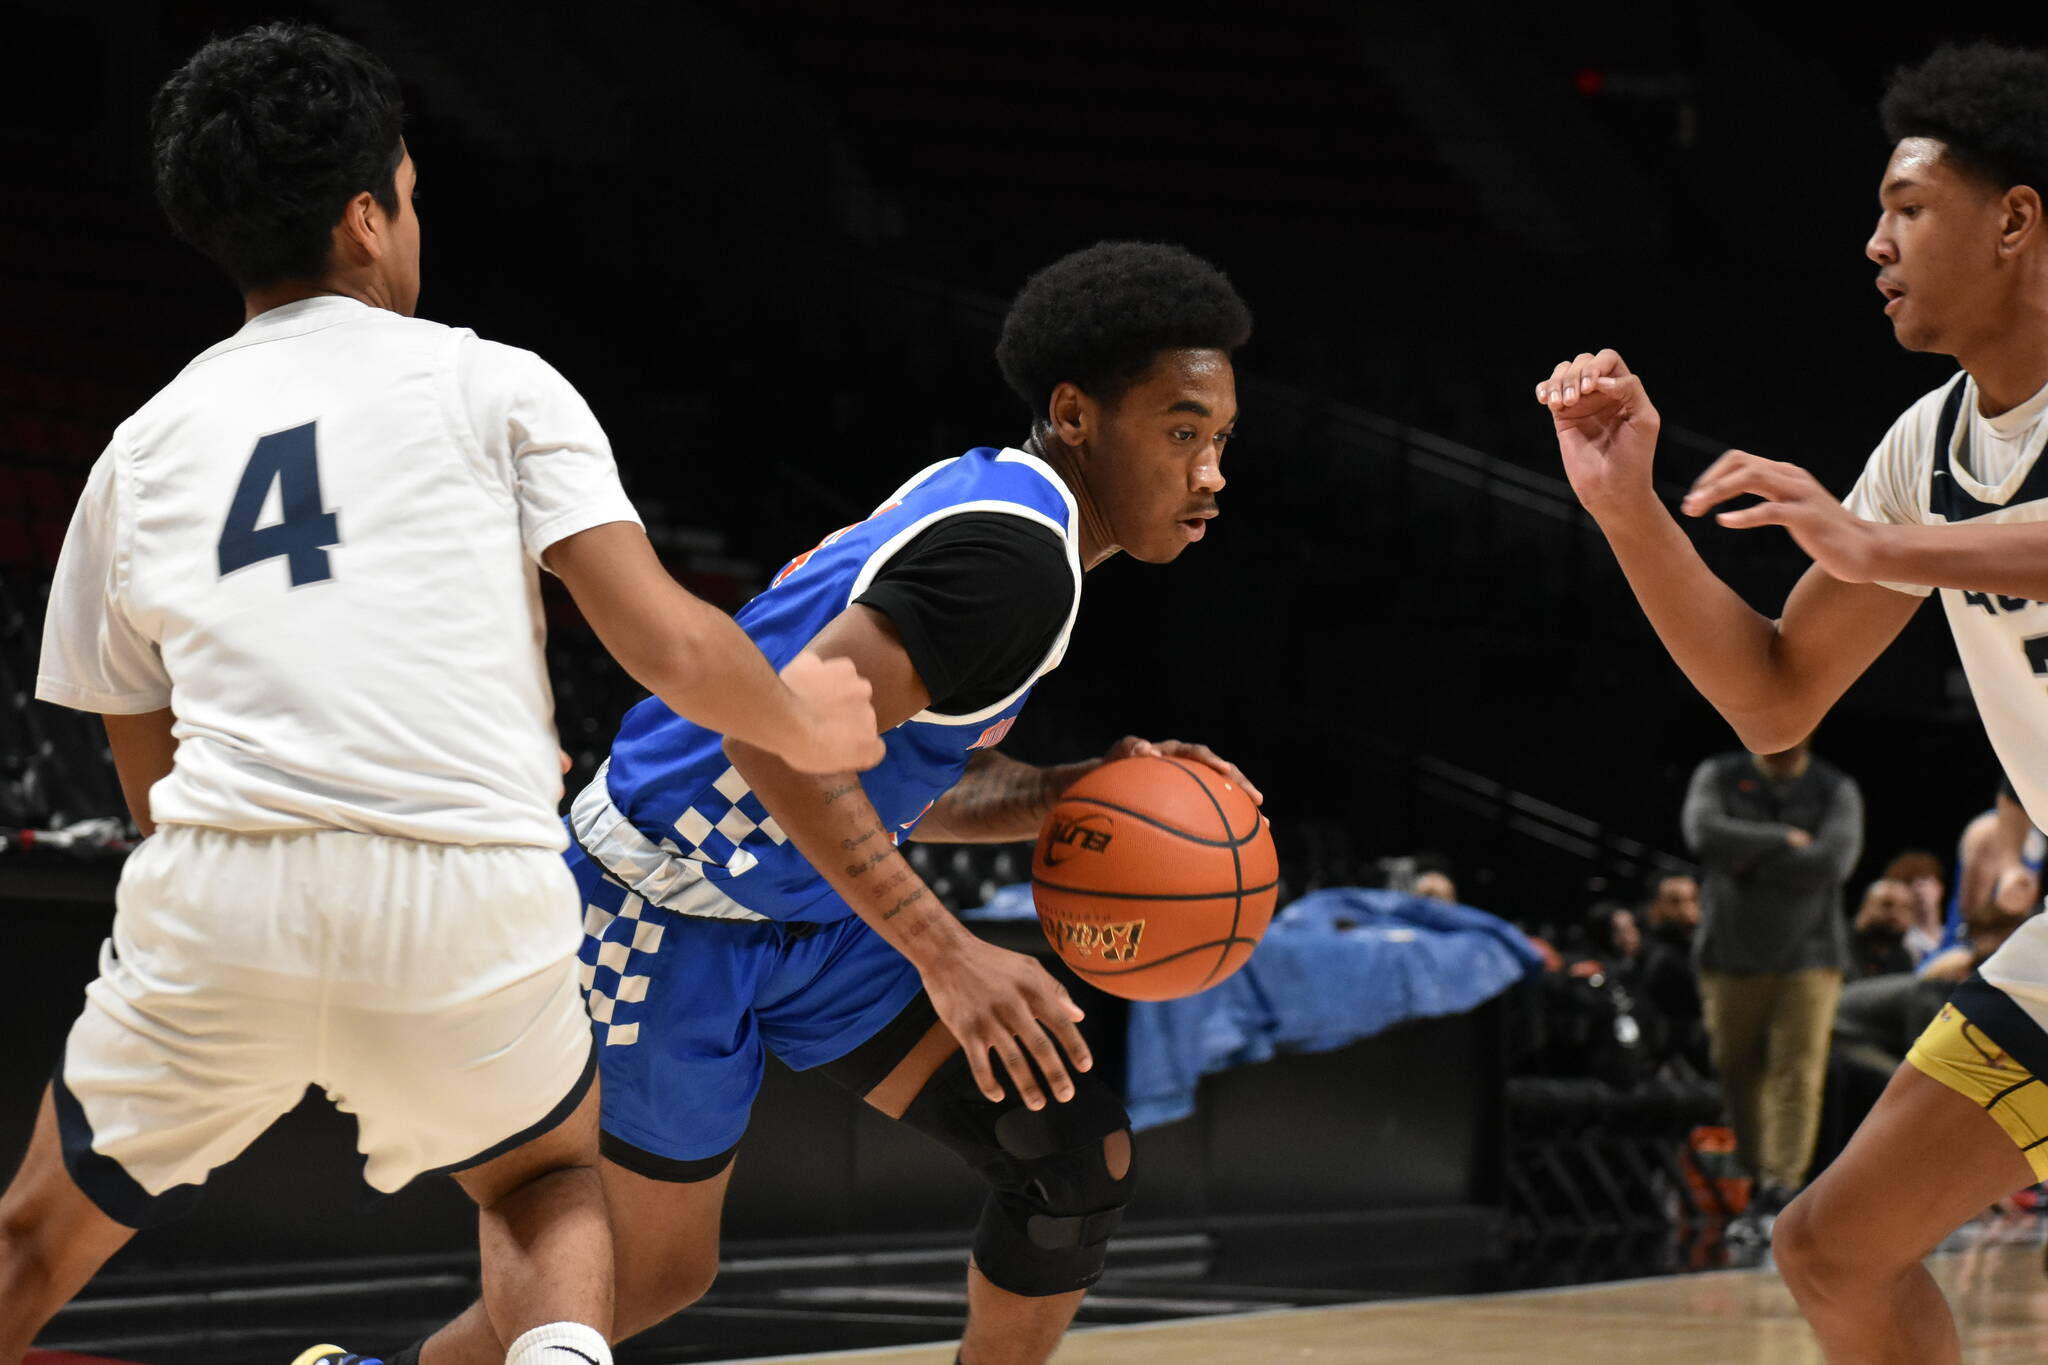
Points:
(1955, 1052)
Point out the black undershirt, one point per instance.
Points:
(978, 600)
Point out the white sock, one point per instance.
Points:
(560, 1343)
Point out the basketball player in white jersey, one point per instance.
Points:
(301, 586)
(1954, 499)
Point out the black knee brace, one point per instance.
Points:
(1053, 1203)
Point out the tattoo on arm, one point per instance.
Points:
(867, 864)
(846, 789)
(851, 844)
(900, 906)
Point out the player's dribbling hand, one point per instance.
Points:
(1130, 746)
(835, 704)
(1606, 428)
(997, 1001)
(1844, 545)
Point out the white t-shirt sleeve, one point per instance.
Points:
(94, 657)
(535, 427)
(1890, 489)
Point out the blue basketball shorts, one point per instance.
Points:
(687, 1009)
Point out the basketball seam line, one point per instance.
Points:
(1153, 895)
(1169, 828)
(1236, 866)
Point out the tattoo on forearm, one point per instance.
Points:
(851, 844)
(835, 793)
(902, 875)
(867, 864)
(900, 906)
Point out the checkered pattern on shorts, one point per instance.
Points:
(717, 825)
(614, 942)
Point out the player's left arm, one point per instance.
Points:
(144, 749)
(2009, 559)
(999, 800)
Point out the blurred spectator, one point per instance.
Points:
(1612, 938)
(1985, 928)
(1921, 873)
(1593, 1021)
(1998, 874)
(1665, 981)
(1879, 1016)
(1877, 945)
(1776, 835)
(1436, 886)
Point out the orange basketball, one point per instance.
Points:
(1154, 878)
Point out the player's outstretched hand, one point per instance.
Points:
(837, 715)
(1844, 545)
(1130, 746)
(997, 1001)
(1606, 428)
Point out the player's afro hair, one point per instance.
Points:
(260, 140)
(1987, 103)
(1099, 318)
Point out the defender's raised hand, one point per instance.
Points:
(1606, 428)
(1844, 545)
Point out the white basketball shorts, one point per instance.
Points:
(429, 989)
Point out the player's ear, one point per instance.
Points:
(1070, 415)
(2022, 219)
(360, 236)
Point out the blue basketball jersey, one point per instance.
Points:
(672, 819)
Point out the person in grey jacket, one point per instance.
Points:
(1776, 836)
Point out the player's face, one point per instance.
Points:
(1937, 250)
(400, 266)
(1157, 465)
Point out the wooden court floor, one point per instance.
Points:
(1729, 1317)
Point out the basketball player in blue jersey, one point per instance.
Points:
(1954, 499)
(737, 907)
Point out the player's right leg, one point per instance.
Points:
(681, 1060)
(454, 1030)
(665, 1235)
(542, 1238)
(1960, 1126)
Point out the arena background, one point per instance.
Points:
(771, 243)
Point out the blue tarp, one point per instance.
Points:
(1336, 966)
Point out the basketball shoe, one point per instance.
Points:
(333, 1355)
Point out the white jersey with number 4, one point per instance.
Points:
(1944, 463)
(318, 547)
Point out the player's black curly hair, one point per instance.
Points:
(261, 138)
(1099, 317)
(1986, 102)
